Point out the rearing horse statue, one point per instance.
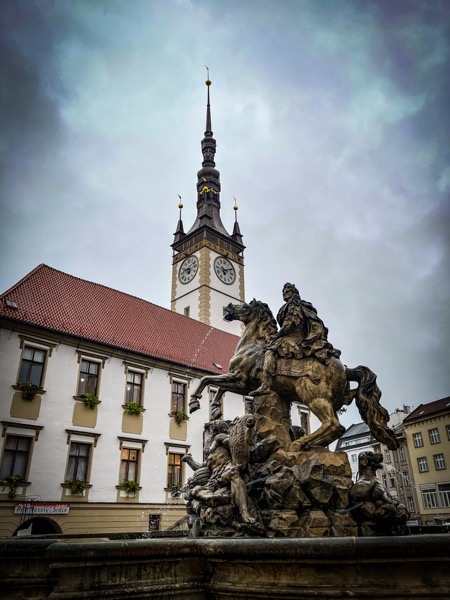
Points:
(324, 388)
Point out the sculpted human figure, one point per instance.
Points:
(224, 473)
(377, 509)
(302, 334)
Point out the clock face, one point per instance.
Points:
(224, 270)
(188, 269)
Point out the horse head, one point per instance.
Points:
(249, 312)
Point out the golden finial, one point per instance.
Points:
(235, 204)
(208, 82)
(180, 205)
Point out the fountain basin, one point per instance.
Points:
(202, 569)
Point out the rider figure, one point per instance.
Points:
(302, 333)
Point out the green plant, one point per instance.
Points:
(175, 489)
(28, 389)
(90, 400)
(11, 481)
(180, 416)
(76, 485)
(133, 408)
(130, 486)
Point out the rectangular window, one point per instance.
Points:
(88, 379)
(129, 465)
(387, 457)
(411, 507)
(447, 427)
(392, 480)
(444, 494)
(422, 464)
(304, 422)
(384, 478)
(78, 465)
(402, 453)
(434, 435)
(215, 407)
(439, 461)
(354, 458)
(134, 387)
(418, 440)
(429, 496)
(406, 478)
(178, 397)
(154, 522)
(174, 473)
(187, 310)
(32, 365)
(16, 455)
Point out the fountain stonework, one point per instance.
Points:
(273, 513)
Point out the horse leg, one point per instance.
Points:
(226, 381)
(330, 429)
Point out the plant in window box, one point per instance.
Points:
(130, 487)
(90, 400)
(179, 416)
(175, 490)
(11, 481)
(28, 389)
(133, 408)
(76, 485)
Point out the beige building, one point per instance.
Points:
(427, 432)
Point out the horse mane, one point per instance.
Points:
(265, 316)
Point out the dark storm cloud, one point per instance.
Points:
(331, 121)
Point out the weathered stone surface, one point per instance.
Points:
(281, 523)
(342, 524)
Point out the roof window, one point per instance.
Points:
(10, 303)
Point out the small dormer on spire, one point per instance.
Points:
(236, 235)
(179, 233)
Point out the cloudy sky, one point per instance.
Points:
(332, 122)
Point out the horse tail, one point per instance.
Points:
(367, 397)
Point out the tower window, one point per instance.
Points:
(187, 310)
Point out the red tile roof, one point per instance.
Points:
(60, 302)
(425, 410)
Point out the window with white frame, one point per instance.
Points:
(354, 458)
(434, 435)
(406, 478)
(392, 480)
(16, 456)
(418, 440)
(387, 457)
(422, 463)
(447, 427)
(88, 377)
(402, 453)
(439, 461)
(429, 496)
(444, 494)
(133, 391)
(78, 463)
(411, 507)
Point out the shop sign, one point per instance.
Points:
(41, 508)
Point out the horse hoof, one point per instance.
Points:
(194, 405)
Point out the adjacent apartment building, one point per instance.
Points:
(427, 432)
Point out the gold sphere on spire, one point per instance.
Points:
(208, 82)
(180, 205)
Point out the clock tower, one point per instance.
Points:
(208, 262)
